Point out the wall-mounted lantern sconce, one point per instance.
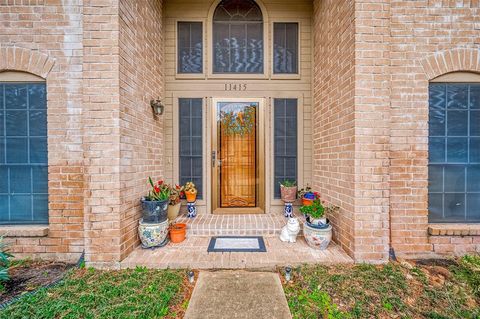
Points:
(157, 107)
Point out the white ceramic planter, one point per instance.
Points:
(152, 235)
(317, 238)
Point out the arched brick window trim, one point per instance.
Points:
(25, 60)
(451, 61)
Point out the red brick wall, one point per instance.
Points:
(428, 38)
(333, 113)
(141, 79)
(45, 38)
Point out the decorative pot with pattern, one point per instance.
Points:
(154, 211)
(317, 237)
(288, 194)
(153, 235)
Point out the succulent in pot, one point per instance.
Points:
(174, 204)
(154, 205)
(190, 192)
(288, 191)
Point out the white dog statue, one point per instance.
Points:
(290, 230)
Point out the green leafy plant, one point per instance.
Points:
(316, 210)
(288, 183)
(159, 192)
(4, 262)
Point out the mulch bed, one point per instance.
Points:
(31, 275)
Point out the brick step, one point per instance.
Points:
(234, 225)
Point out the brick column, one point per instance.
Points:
(351, 121)
(372, 132)
(101, 100)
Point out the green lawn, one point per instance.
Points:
(89, 293)
(443, 289)
(420, 290)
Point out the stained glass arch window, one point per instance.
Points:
(238, 45)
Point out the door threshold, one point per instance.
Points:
(238, 210)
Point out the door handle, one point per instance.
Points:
(214, 158)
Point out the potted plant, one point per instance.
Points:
(315, 212)
(154, 205)
(178, 232)
(316, 229)
(174, 204)
(306, 195)
(288, 191)
(153, 227)
(190, 192)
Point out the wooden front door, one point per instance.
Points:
(236, 154)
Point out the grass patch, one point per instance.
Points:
(388, 291)
(89, 293)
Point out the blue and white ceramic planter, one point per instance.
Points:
(154, 211)
(317, 236)
(288, 210)
(191, 209)
(153, 235)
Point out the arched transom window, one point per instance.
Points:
(237, 37)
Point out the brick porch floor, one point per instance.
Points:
(192, 253)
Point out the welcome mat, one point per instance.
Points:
(221, 244)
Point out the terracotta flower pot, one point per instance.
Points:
(173, 211)
(306, 201)
(288, 194)
(178, 232)
(191, 196)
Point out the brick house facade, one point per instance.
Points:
(366, 136)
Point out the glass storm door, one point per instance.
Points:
(235, 156)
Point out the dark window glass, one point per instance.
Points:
(190, 47)
(285, 48)
(285, 142)
(454, 153)
(237, 37)
(191, 142)
(23, 154)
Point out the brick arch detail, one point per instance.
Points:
(453, 60)
(26, 60)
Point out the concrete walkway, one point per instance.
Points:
(238, 294)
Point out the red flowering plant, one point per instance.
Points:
(176, 192)
(159, 192)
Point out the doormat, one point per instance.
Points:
(221, 244)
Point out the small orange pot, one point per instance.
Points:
(306, 201)
(178, 232)
(191, 197)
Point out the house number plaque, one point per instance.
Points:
(235, 86)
